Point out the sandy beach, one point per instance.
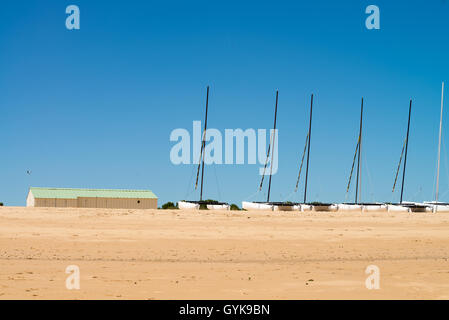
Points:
(174, 254)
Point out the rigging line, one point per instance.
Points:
(266, 163)
(436, 169)
(289, 196)
(353, 163)
(203, 142)
(308, 149)
(346, 196)
(406, 150)
(391, 197)
(417, 192)
(445, 192)
(274, 139)
(439, 143)
(399, 165)
(302, 161)
(190, 182)
(445, 164)
(203, 146)
(252, 195)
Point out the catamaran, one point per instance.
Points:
(405, 206)
(436, 205)
(304, 206)
(210, 204)
(358, 205)
(267, 205)
(355, 206)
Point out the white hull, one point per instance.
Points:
(188, 205)
(218, 206)
(256, 206)
(434, 207)
(440, 208)
(396, 208)
(374, 207)
(349, 207)
(305, 207)
(302, 207)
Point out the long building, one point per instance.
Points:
(91, 198)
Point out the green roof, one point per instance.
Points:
(69, 193)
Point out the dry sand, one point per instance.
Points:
(163, 254)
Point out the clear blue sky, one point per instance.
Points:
(95, 107)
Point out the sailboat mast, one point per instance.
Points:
(359, 173)
(272, 147)
(308, 149)
(203, 144)
(439, 147)
(406, 149)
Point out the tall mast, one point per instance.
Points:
(203, 144)
(439, 147)
(308, 149)
(359, 171)
(406, 149)
(272, 148)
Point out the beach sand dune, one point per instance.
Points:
(174, 254)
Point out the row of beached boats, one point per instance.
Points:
(357, 205)
(349, 207)
(325, 207)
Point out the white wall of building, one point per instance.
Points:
(30, 199)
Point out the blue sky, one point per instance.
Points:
(95, 107)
